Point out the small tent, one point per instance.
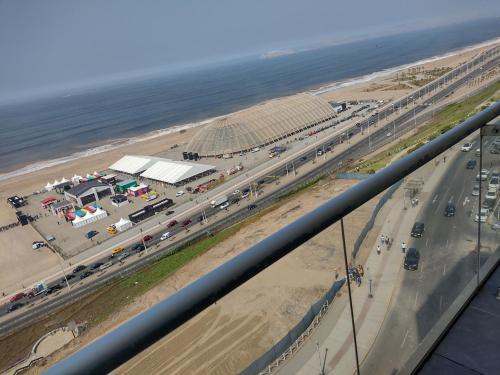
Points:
(49, 186)
(123, 224)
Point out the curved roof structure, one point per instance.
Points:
(261, 125)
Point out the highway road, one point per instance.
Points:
(448, 262)
(378, 137)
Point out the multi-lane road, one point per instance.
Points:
(448, 262)
(378, 137)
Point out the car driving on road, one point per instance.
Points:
(85, 275)
(165, 236)
(14, 307)
(418, 229)
(411, 259)
(79, 268)
(471, 164)
(450, 209)
(466, 147)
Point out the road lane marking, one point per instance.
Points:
(447, 243)
(435, 199)
(444, 268)
(440, 302)
(416, 298)
(466, 200)
(404, 339)
(427, 243)
(422, 267)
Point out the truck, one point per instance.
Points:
(37, 289)
(218, 201)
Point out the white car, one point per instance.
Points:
(236, 192)
(179, 193)
(165, 236)
(491, 195)
(494, 183)
(105, 265)
(37, 244)
(483, 175)
(475, 190)
(467, 147)
(484, 215)
(224, 205)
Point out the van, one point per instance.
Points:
(117, 250)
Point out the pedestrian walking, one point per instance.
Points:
(378, 249)
(382, 239)
(403, 247)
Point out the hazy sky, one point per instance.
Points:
(48, 44)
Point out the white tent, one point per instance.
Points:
(90, 217)
(123, 224)
(64, 180)
(76, 179)
(56, 182)
(49, 186)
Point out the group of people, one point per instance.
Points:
(384, 241)
(356, 273)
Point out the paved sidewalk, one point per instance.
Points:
(385, 271)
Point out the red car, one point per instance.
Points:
(17, 297)
(186, 222)
(171, 224)
(147, 238)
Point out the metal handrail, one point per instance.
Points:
(113, 349)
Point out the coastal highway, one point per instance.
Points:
(355, 151)
(447, 263)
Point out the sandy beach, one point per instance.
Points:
(381, 88)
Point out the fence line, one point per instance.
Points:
(296, 337)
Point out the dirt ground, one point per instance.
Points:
(228, 336)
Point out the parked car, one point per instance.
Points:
(252, 207)
(172, 223)
(491, 194)
(245, 195)
(224, 205)
(79, 268)
(483, 215)
(489, 204)
(138, 247)
(37, 244)
(483, 175)
(412, 257)
(105, 265)
(13, 307)
(96, 265)
(236, 192)
(179, 193)
(68, 277)
(165, 236)
(471, 164)
(147, 238)
(494, 183)
(450, 209)
(85, 275)
(467, 147)
(185, 223)
(235, 200)
(418, 229)
(17, 297)
(117, 250)
(91, 234)
(52, 289)
(123, 256)
(475, 190)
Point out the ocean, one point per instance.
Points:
(46, 132)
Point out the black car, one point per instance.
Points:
(450, 209)
(418, 229)
(235, 200)
(85, 274)
(245, 191)
(69, 276)
(79, 268)
(303, 158)
(252, 206)
(52, 289)
(138, 247)
(96, 265)
(14, 307)
(411, 259)
(471, 164)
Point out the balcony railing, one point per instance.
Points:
(128, 340)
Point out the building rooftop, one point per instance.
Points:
(261, 125)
